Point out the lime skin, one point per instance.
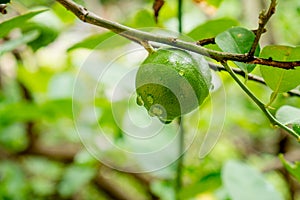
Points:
(172, 82)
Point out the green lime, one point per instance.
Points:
(172, 82)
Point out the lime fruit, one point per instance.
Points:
(172, 82)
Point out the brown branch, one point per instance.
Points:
(206, 41)
(139, 36)
(263, 20)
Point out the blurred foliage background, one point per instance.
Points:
(49, 68)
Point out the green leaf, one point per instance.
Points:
(16, 112)
(13, 138)
(238, 40)
(4, 1)
(107, 40)
(12, 44)
(12, 179)
(207, 183)
(243, 182)
(293, 169)
(74, 178)
(281, 80)
(35, 81)
(17, 22)
(46, 36)
(212, 28)
(24, 111)
(288, 115)
(296, 128)
(215, 3)
(143, 18)
(163, 189)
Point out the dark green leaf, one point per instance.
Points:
(238, 40)
(17, 22)
(293, 169)
(212, 28)
(281, 80)
(46, 36)
(4, 1)
(243, 182)
(296, 128)
(12, 44)
(106, 40)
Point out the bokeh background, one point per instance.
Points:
(53, 101)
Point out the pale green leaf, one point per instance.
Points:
(294, 169)
(244, 182)
(281, 80)
(74, 178)
(288, 115)
(107, 40)
(17, 22)
(12, 44)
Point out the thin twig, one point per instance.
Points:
(251, 77)
(137, 36)
(263, 108)
(178, 183)
(263, 20)
(211, 40)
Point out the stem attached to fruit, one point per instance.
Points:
(261, 105)
(147, 46)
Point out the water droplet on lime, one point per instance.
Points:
(181, 72)
(150, 99)
(156, 110)
(139, 101)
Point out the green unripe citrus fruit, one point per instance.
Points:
(172, 82)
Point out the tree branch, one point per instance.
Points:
(139, 36)
(263, 20)
(211, 40)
